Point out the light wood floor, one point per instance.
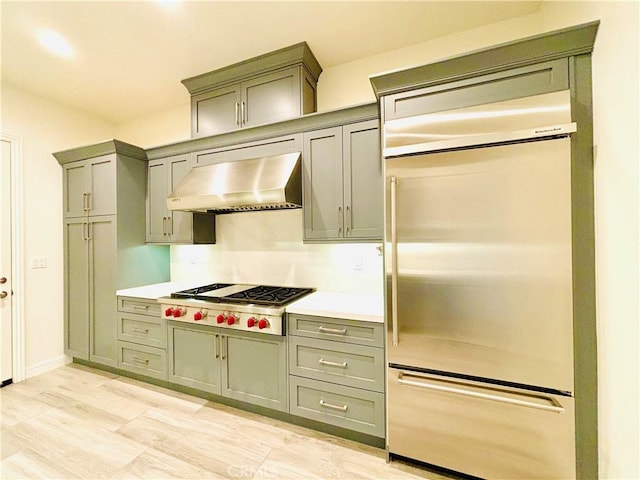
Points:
(78, 422)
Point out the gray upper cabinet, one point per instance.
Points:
(343, 183)
(166, 226)
(89, 187)
(518, 82)
(265, 89)
(261, 148)
(104, 252)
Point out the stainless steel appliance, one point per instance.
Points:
(256, 308)
(479, 288)
(265, 183)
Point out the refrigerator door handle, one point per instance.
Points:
(394, 261)
(554, 407)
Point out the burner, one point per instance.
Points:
(267, 295)
(190, 293)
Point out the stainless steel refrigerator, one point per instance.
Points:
(479, 288)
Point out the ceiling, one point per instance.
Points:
(129, 56)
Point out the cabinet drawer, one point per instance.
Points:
(141, 359)
(142, 329)
(346, 407)
(138, 305)
(338, 330)
(351, 365)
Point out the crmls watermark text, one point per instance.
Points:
(250, 471)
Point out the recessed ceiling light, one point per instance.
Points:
(55, 43)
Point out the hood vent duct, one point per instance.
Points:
(265, 183)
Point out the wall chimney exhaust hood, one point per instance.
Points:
(265, 183)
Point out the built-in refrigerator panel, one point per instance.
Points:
(483, 263)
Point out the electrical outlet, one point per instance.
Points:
(38, 262)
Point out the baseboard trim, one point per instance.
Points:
(47, 365)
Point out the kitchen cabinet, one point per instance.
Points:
(142, 337)
(336, 372)
(243, 366)
(260, 148)
(103, 253)
(342, 183)
(89, 187)
(265, 89)
(173, 227)
(265, 99)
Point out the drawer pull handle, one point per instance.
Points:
(329, 363)
(141, 360)
(141, 307)
(333, 331)
(342, 408)
(141, 330)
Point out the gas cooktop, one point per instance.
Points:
(244, 294)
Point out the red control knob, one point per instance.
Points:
(252, 322)
(168, 312)
(263, 323)
(220, 318)
(198, 316)
(231, 320)
(178, 312)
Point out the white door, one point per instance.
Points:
(5, 263)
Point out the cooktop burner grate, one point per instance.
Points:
(190, 293)
(267, 295)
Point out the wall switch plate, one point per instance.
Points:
(38, 262)
(358, 263)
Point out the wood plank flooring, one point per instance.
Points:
(78, 422)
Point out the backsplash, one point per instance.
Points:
(266, 248)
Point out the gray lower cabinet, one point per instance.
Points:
(166, 226)
(142, 337)
(343, 188)
(243, 366)
(103, 253)
(336, 372)
(90, 302)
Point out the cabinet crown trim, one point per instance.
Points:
(548, 46)
(297, 54)
(99, 149)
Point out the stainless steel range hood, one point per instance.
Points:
(266, 183)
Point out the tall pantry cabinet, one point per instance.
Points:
(104, 189)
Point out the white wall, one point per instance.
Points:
(267, 248)
(44, 127)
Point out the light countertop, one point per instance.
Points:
(156, 290)
(350, 306)
(353, 306)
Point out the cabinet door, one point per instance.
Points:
(216, 111)
(102, 179)
(76, 289)
(194, 357)
(75, 189)
(363, 185)
(322, 184)
(255, 370)
(180, 223)
(102, 282)
(270, 98)
(157, 192)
